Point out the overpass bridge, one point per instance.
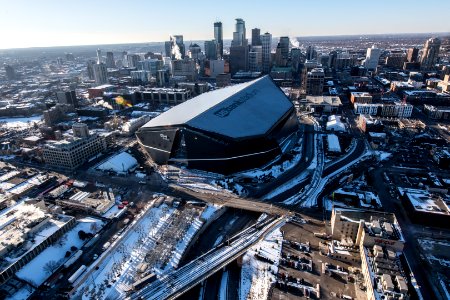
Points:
(179, 281)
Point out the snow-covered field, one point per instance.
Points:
(54, 256)
(20, 122)
(119, 266)
(256, 275)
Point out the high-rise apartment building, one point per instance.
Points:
(372, 57)
(430, 53)
(256, 37)
(110, 63)
(218, 36)
(266, 41)
(99, 70)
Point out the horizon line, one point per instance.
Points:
(305, 36)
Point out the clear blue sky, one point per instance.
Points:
(82, 22)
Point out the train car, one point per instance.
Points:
(144, 281)
(73, 259)
(77, 274)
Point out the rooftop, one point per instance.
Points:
(246, 109)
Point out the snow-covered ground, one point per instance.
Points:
(288, 185)
(119, 266)
(20, 122)
(276, 170)
(54, 256)
(256, 275)
(190, 233)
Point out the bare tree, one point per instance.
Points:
(50, 267)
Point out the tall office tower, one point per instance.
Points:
(178, 40)
(99, 56)
(10, 72)
(372, 57)
(194, 51)
(239, 36)
(256, 37)
(412, 54)
(133, 60)
(239, 49)
(90, 68)
(211, 50)
(279, 59)
(255, 59)
(311, 53)
(110, 63)
(168, 48)
(124, 59)
(266, 41)
(315, 81)
(430, 54)
(284, 43)
(99, 70)
(68, 97)
(218, 36)
(296, 56)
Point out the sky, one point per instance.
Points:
(45, 23)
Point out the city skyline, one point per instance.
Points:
(50, 23)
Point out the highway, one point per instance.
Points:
(177, 282)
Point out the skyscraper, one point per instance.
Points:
(110, 63)
(211, 50)
(266, 41)
(430, 53)
(239, 36)
(218, 36)
(133, 60)
(100, 72)
(255, 59)
(372, 57)
(412, 54)
(256, 37)
(284, 44)
(168, 48)
(239, 49)
(194, 51)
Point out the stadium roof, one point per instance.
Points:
(247, 109)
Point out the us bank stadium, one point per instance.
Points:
(224, 131)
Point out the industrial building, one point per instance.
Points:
(72, 152)
(235, 128)
(26, 230)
